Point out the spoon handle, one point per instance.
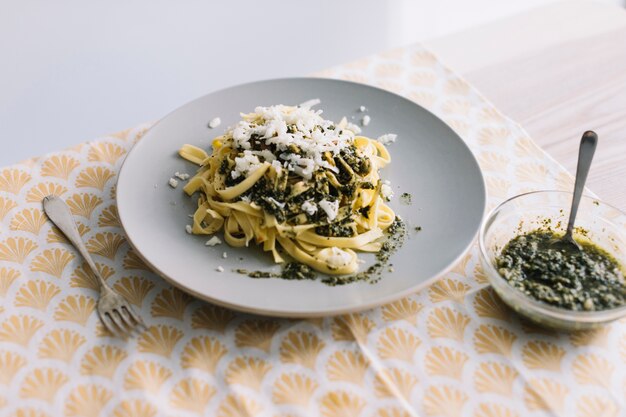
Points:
(585, 155)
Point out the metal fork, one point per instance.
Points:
(115, 312)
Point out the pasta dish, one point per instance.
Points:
(285, 177)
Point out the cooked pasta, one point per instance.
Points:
(285, 177)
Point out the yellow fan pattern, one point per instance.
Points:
(451, 350)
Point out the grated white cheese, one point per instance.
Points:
(273, 200)
(387, 139)
(220, 268)
(362, 109)
(301, 166)
(331, 208)
(309, 207)
(213, 241)
(386, 192)
(354, 128)
(224, 255)
(181, 176)
(246, 164)
(173, 183)
(215, 122)
(278, 167)
(310, 103)
(188, 228)
(284, 127)
(366, 120)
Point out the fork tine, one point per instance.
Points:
(128, 326)
(134, 315)
(116, 317)
(108, 323)
(127, 319)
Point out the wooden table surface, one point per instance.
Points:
(557, 70)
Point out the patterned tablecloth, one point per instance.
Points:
(450, 350)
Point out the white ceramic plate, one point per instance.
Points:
(429, 161)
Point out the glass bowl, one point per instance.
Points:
(603, 224)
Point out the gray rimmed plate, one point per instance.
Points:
(429, 161)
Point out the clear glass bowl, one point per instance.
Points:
(605, 226)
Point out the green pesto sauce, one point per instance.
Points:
(585, 280)
(396, 235)
(291, 271)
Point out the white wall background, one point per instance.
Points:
(73, 70)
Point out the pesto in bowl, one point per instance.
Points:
(549, 288)
(580, 280)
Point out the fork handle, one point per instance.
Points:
(59, 213)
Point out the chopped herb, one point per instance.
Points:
(348, 190)
(339, 228)
(291, 271)
(229, 181)
(296, 270)
(334, 281)
(224, 166)
(356, 160)
(260, 274)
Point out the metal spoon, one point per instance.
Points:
(585, 154)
